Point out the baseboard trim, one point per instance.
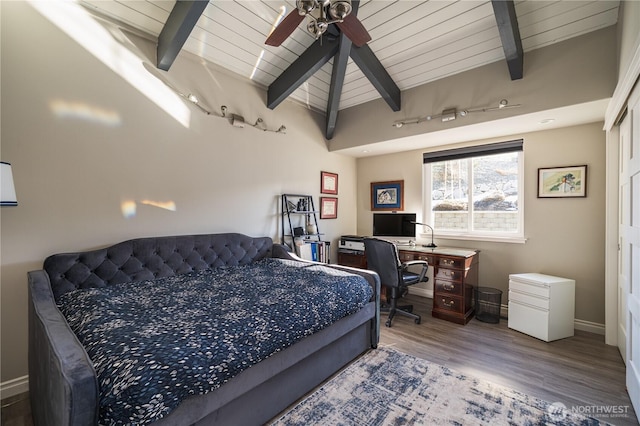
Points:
(421, 292)
(14, 387)
(591, 327)
(578, 324)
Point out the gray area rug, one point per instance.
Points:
(387, 387)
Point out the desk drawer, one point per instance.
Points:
(448, 274)
(451, 262)
(445, 288)
(448, 303)
(429, 258)
(406, 256)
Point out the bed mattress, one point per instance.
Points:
(154, 343)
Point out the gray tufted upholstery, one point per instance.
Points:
(149, 258)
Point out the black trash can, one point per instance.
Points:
(488, 301)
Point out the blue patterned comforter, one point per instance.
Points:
(153, 343)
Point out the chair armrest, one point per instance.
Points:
(423, 272)
(414, 262)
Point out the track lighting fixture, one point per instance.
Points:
(451, 114)
(235, 119)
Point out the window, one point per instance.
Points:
(475, 191)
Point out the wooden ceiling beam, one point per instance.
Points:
(505, 13)
(311, 60)
(176, 30)
(377, 75)
(338, 45)
(337, 80)
(337, 77)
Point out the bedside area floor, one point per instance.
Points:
(579, 371)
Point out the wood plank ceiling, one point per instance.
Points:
(416, 42)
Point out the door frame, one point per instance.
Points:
(614, 112)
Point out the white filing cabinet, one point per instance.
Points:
(542, 306)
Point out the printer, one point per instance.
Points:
(351, 244)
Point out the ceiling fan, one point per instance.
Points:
(321, 14)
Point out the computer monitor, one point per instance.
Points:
(401, 225)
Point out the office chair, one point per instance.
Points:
(382, 257)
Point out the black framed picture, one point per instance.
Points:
(387, 195)
(562, 182)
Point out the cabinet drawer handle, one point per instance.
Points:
(448, 261)
(449, 287)
(450, 304)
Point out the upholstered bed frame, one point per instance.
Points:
(62, 382)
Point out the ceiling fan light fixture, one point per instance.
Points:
(339, 9)
(306, 6)
(317, 28)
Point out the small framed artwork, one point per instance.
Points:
(387, 195)
(562, 182)
(328, 183)
(328, 208)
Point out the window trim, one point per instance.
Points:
(471, 152)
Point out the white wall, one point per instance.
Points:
(72, 174)
(628, 34)
(565, 237)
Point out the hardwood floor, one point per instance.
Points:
(581, 372)
(16, 411)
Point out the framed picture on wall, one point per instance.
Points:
(328, 183)
(328, 208)
(562, 182)
(387, 195)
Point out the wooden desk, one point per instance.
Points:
(455, 274)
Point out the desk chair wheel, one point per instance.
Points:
(388, 322)
(417, 320)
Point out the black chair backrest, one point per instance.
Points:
(382, 257)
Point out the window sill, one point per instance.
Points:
(496, 239)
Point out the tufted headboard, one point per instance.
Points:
(149, 258)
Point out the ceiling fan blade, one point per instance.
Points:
(353, 28)
(285, 28)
